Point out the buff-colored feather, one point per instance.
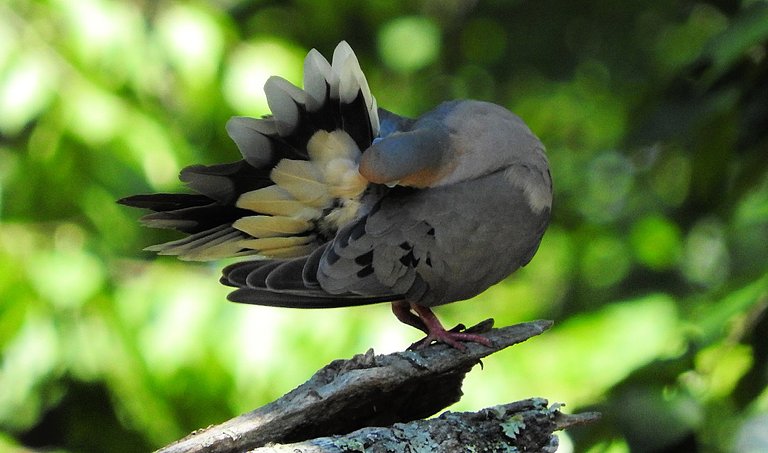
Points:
(275, 200)
(303, 180)
(266, 244)
(263, 226)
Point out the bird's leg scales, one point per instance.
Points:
(436, 332)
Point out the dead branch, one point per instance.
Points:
(526, 425)
(365, 391)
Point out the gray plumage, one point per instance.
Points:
(347, 204)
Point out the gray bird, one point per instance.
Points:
(342, 203)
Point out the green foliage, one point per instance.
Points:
(655, 116)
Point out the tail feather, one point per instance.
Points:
(181, 213)
(222, 240)
(309, 273)
(161, 202)
(285, 100)
(361, 133)
(292, 283)
(280, 283)
(218, 188)
(258, 277)
(337, 98)
(287, 276)
(235, 275)
(224, 183)
(265, 297)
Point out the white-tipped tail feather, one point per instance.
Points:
(222, 241)
(250, 136)
(350, 81)
(317, 73)
(284, 99)
(309, 150)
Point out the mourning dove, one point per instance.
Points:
(341, 203)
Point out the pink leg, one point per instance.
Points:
(437, 333)
(402, 311)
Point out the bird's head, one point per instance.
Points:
(457, 141)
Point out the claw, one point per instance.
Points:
(453, 339)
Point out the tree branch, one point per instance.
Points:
(526, 425)
(364, 391)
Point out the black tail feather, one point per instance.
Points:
(280, 283)
(161, 202)
(265, 297)
(351, 116)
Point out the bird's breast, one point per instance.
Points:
(462, 238)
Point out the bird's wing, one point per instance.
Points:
(425, 246)
(439, 245)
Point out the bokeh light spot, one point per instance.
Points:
(679, 44)
(150, 145)
(105, 34)
(193, 41)
(671, 179)
(67, 275)
(610, 177)
(605, 261)
(249, 67)
(581, 114)
(706, 261)
(25, 89)
(408, 44)
(93, 114)
(656, 242)
(28, 359)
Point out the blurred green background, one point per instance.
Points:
(655, 116)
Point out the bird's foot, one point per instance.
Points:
(451, 338)
(426, 321)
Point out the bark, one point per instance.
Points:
(526, 425)
(339, 408)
